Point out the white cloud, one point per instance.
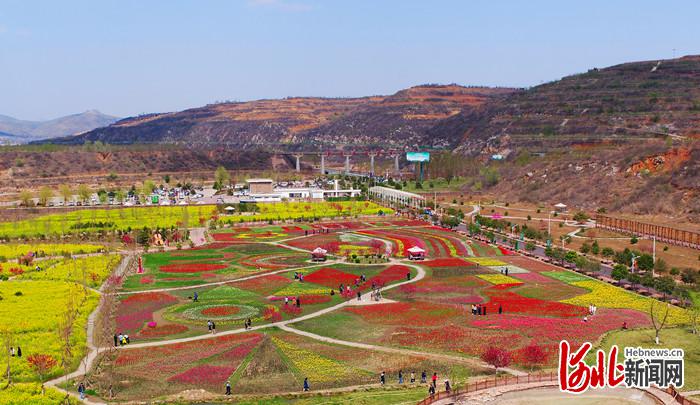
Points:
(282, 5)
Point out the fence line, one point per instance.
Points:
(470, 387)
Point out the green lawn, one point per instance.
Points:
(670, 338)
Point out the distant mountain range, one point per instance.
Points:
(14, 130)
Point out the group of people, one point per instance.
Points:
(423, 380)
(211, 326)
(295, 301)
(299, 276)
(592, 309)
(121, 339)
(479, 309)
(504, 271)
(247, 324)
(12, 351)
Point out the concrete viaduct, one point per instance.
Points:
(372, 154)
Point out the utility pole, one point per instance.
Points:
(653, 238)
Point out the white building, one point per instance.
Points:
(393, 196)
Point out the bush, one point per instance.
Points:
(634, 240)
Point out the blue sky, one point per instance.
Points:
(129, 57)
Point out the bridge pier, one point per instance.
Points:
(396, 163)
(323, 164)
(298, 161)
(371, 162)
(347, 163)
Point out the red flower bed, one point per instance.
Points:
(505, 251)
(447, 262)
(165, 330)
(530, 264)
(393, 273)
(223, 310)
(137, 309)
(257, 262)
(512, 302)
(292, 229)
(263, 285)
(240, 352)
(550, 331)
(224, 237)
(146, 280)
(417, 313)
(330, 277)
(204, 375)
(460, 339)
(291, 309)
(192, 267)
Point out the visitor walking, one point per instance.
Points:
(81, 391)
(500, 309)
(306, 384)
(298, 303)
(447, 386)
(434, 380)
(423, 377)
(382, 378)
(116, 340)
(12, 351)
(196, 297)
(359, 295)
(413, 377)
(431, 392)
(400, 377)
(213, 328)
(286, 300)
(19, 351)
(209, 323)
(483, 310)
(228, 387)
(408, 275)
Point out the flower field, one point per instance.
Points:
(14, 250)
(136, 310)
(498, 279)
(91, 270)
(487, 261)
(608, 296)
(316, 368)
(31, 309)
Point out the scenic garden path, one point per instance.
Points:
(93, 351)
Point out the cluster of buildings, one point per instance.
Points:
(265, 190)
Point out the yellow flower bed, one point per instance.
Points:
(487, 261)
(31, 311)
(608, 296)
(499, 279)
(312, 365)
(298, 288)
(92, 270)
(13, 250)
(30, 394)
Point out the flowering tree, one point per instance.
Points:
(41, 364)
(534, 355)
(496, 357)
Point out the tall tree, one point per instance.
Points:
(84, 192)
(221, 178)
(45, 194)
(66, 193)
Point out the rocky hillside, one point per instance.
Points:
(629, 102)
(400, 120)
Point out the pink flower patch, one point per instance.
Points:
(204, 375)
